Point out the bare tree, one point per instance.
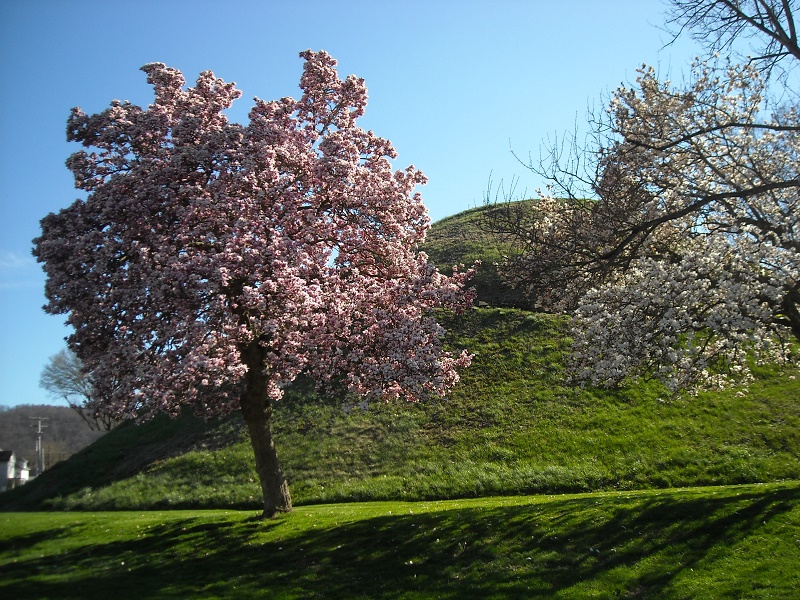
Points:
(65, 377)
(769, 25)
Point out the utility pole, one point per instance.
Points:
(39, 447)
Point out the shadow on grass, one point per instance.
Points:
(625, 547)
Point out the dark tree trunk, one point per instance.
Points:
(256, 409)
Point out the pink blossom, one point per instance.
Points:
(213, 262)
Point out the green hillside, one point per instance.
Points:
(512, 426)
(467, 237)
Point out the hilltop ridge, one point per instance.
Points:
(464, 238)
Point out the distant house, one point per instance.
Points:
(13, 471)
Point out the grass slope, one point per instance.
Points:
(465, 238)
(737, 542)
(510, 427)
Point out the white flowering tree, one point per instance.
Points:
(686, 264)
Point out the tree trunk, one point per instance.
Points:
(791, 311)
(256, 409)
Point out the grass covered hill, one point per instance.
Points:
(510, 427)
(467, 237)
(469, 496)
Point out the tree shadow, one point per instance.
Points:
(535, 550)
(21, 543)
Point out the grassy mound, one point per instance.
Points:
(510, 427)
(467, 237)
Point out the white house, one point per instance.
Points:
(13, 471)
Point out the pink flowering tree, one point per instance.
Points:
(211, 263)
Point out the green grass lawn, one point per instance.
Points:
(725, 542)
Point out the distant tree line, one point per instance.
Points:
(65, 432)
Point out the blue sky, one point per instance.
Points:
(455, 84)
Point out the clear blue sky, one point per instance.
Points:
(453, 83)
